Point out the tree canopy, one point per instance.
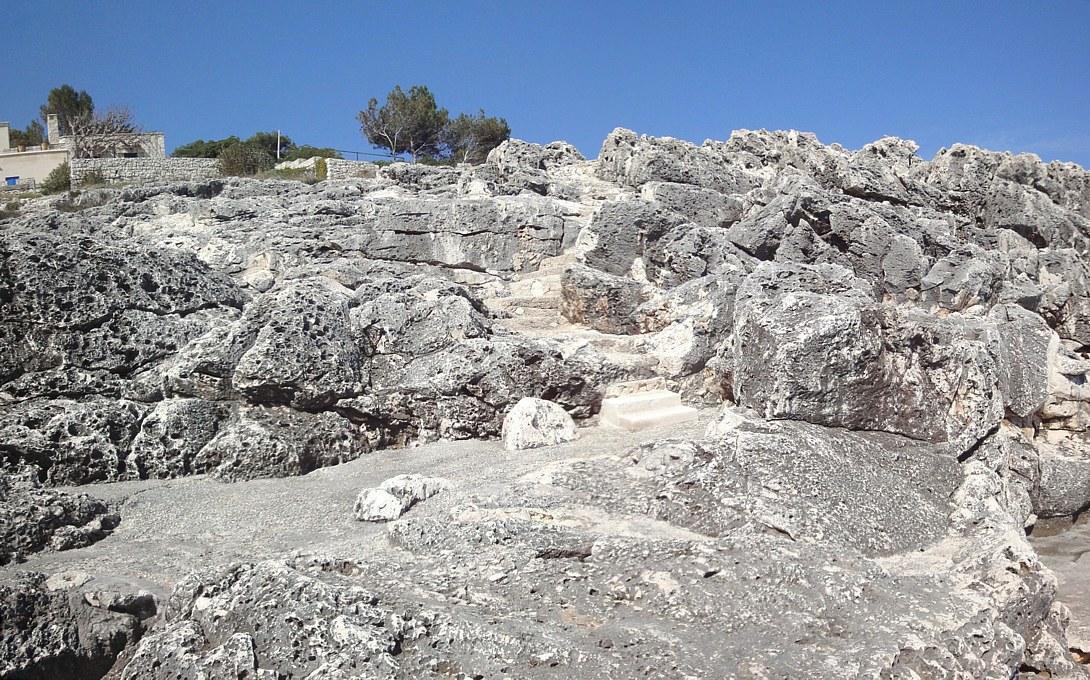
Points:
(415, 124)
(201, 148)
(307, 151)
(262, 141)
(409, 123)
(267, 141)
(33, 135)
(69, 105)
(468, 139)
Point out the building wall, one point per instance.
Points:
(35, 164)
(143, 144)
(337, 168)
(136, 170)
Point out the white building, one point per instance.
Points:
(26, 167)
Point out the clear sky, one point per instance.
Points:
(1005, 75)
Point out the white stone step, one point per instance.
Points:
(536, 287)
(510, 303)
(641, 420)
(641, 401)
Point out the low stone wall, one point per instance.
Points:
(127, 170)
(338, 168)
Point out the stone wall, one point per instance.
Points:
(127, 170)
(337, 168)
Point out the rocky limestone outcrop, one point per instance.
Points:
(67, 626)
(901, 346)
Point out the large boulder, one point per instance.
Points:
(620, 231)
(67, 626)
(810, 345)
(172, 435)
(633, 160)
(605, 302)
(395, 496)
(279, 442)
(300, 348)
(68, 441)
(533, 423)
(33, 519)
(113, 306)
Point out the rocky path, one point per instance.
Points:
(170, 528)
(1067, 553)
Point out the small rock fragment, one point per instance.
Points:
(395, 496)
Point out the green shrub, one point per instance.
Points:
(244, 160)
(57, 180)
(321, 170)
(10, 210)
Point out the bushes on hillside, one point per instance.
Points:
(244, 160)
(57, 180)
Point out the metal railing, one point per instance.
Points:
(356, 155)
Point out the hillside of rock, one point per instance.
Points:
(891, 355)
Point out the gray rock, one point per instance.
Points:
(883, 171)
(605, 302)
(113, 307)
(515, 166)
(64, 629)
(278, 442)
(415, 316)
(463, 391)
(620, 231)
(71, 442)
(33, 519)
(633, 160)
(395, 496)
(868, 377)
(172, 435)
(300, 349)
(533, 423)
(703, 207)
(964, 279)
(1023, 358)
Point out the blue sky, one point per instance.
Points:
(1005, 75)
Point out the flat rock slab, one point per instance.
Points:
(171, 527)
(643, 410)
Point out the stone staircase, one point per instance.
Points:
(531, 306)
(533, 299)
(640, 410)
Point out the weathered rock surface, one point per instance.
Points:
(754, 516)
(33, 518)
(533, 423)
(901, 345)
(63, 627)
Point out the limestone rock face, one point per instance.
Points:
(277, 442)
(33, 518)
(534, 423)
(785, 316)
(64, 627)
(603, 301)
(899, 349)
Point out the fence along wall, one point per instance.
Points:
(122, 170)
